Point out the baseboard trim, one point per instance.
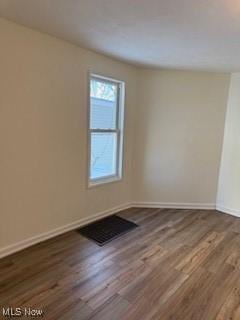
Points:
(175, 205)
(233, 212)
(55, 232)
(139, 204)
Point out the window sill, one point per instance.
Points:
(100, 182)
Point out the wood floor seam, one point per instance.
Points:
(178, 265)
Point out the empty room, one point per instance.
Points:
(120, 159)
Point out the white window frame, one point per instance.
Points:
(119, 130)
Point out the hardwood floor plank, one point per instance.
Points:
(230, 310)
(115, 309)
(177, 265)
(221, 253)
(196, 257)
(200, 297)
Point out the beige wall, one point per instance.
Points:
(173, 134)
(179, 129)
(43, 133)
(229, 180)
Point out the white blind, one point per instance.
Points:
(103, 116)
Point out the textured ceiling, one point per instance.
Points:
(186, 34)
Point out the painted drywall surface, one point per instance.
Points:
(179, 129)
(43, 133)
(229, 178)
(172, 139)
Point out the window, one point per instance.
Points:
(105, 129)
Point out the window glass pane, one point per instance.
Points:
(103, 155)
(103, 105)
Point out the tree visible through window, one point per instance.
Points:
(106, 103)
(101, 90)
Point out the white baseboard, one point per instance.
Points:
(174, 205)
(55, 232)
(233, 212)
(139, 204)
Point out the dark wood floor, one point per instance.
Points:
(179, 264)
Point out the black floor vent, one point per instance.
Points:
(107, 229)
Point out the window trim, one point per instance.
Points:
(119, 131)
